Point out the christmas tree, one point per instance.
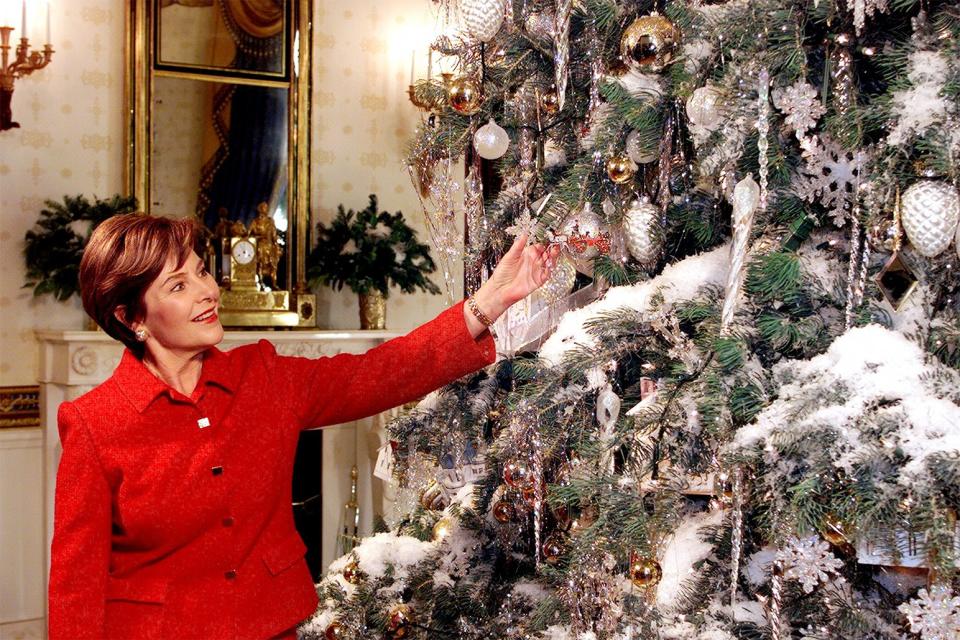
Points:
(734, 411)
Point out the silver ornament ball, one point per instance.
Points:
(491, 140)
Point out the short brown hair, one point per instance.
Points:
(126, 253)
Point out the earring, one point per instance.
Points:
(141, 335)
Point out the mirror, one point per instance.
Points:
(231, 37)
(219, 129)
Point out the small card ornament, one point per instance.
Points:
(385, 462)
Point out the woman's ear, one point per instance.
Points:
(120, 313)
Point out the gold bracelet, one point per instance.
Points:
(480, 315)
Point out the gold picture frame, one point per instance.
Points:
(19, 407)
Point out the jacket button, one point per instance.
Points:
(228, 521)
(216, 470)
(230, 575)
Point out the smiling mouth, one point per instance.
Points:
(207, 316)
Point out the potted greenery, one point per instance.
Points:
(369, 251)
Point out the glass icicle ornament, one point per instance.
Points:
(931, 211)
(482, 18)
(746, 199)
(561, 52)
(491, 140)
(763, 130)
(643, 233)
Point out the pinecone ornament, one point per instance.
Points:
(931, 211)
(482, 18)
(641, 226)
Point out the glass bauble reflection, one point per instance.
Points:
(930, 213)
(644, 571)
(648, 43)
(552, 548)
(491, 140)
(465, 95)
(620, 168)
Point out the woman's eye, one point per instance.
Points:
(177, 287)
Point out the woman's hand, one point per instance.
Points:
(521, 271)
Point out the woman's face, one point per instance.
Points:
(181, 308)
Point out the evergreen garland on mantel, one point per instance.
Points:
(54, 246)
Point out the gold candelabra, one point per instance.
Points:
(25, 63)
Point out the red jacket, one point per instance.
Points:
(165, 528)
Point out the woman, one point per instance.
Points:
(173, 516)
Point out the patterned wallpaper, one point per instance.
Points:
(362, 120)
(72, 137)
(70, 142)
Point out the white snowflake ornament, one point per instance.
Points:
(801, 105)
(829, 177)
(934, 614)
(808, 561)
(524, 224)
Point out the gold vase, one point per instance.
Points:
(373, 310)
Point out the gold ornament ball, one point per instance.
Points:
(442, 529)
(552, 548)
(550, 101)
(399, 620)
(644, 571)
(465, 95)
(516, 475)
(620, 168)
(351, 572)
(648, 43)
(504, 511)
(332, 632)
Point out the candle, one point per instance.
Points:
(48, 23)
(413, 59)
(429, 62)
(24, 33)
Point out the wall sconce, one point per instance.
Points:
(25, 63)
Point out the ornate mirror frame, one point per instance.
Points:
(142, 71)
